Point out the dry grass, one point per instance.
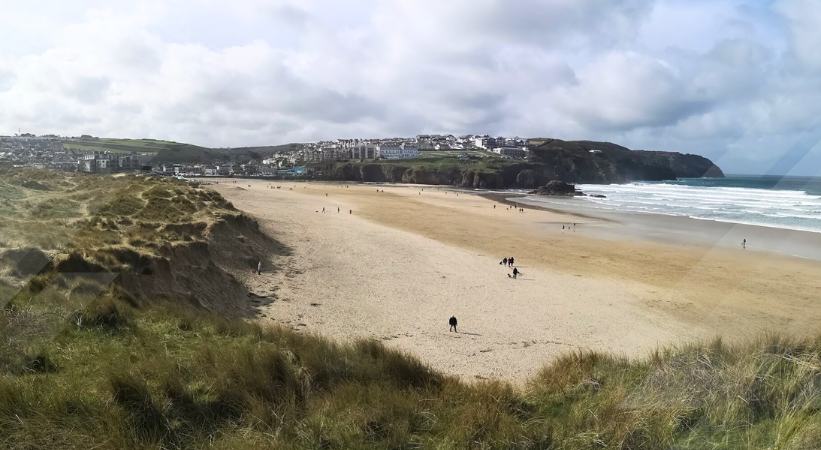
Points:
(174, 376)
(84, 366)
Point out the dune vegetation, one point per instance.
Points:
(95, 352)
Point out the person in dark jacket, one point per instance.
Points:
(452, 323)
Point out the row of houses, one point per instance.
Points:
(249, 169)
(346, 149)
(108, 162)
(466, 142)
(396, 148)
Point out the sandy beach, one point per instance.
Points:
(394, 265)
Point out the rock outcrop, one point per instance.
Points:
(556, 187)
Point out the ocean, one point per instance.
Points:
(771, 201)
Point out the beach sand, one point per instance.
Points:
(408, 258)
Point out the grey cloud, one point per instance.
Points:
(88, 89)
(736, 80)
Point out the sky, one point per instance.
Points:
(736, 81)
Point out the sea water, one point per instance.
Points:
(772, 201)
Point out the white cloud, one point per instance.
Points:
(736, 80)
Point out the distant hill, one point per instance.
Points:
(121, 145)
(175, 152)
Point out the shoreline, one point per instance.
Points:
(393, 265)
(685, 230)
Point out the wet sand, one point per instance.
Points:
(684, 230)
(408, 258)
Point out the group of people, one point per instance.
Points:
(569, 227)
(338, 210)
(509, 262)
(512, 208)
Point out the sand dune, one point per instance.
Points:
(407, 259)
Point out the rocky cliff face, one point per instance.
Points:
(569, 161)
(604, 162)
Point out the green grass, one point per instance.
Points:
(454, 154)
(173, 376)
(85, 364)
(118, 145)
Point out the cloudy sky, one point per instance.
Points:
(738, 81)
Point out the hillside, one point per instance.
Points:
(112, 337)
(175, 152)
(552, 159)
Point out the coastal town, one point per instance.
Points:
(95, 155)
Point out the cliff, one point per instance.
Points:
(551, 159)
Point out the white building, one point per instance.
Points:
(364, 150)
(397, 150)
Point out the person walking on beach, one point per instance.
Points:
(510, 262)
(504, 261)
(259, 268)
(515, 272)
(337, 210)
(744, 243)
(452, 323)
(323, 210)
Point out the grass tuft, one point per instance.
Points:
(103, 313)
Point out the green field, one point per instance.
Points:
(90, 358)
(119, 145)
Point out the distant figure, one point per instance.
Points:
(562, 227)
(452, 323)
(504, 261)
(337, 210)
(326, 194)
(744, 243)
(494, 206)
(515, 273)
(259, 268)
(323, 210)
(510, 261)
(350, 211)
